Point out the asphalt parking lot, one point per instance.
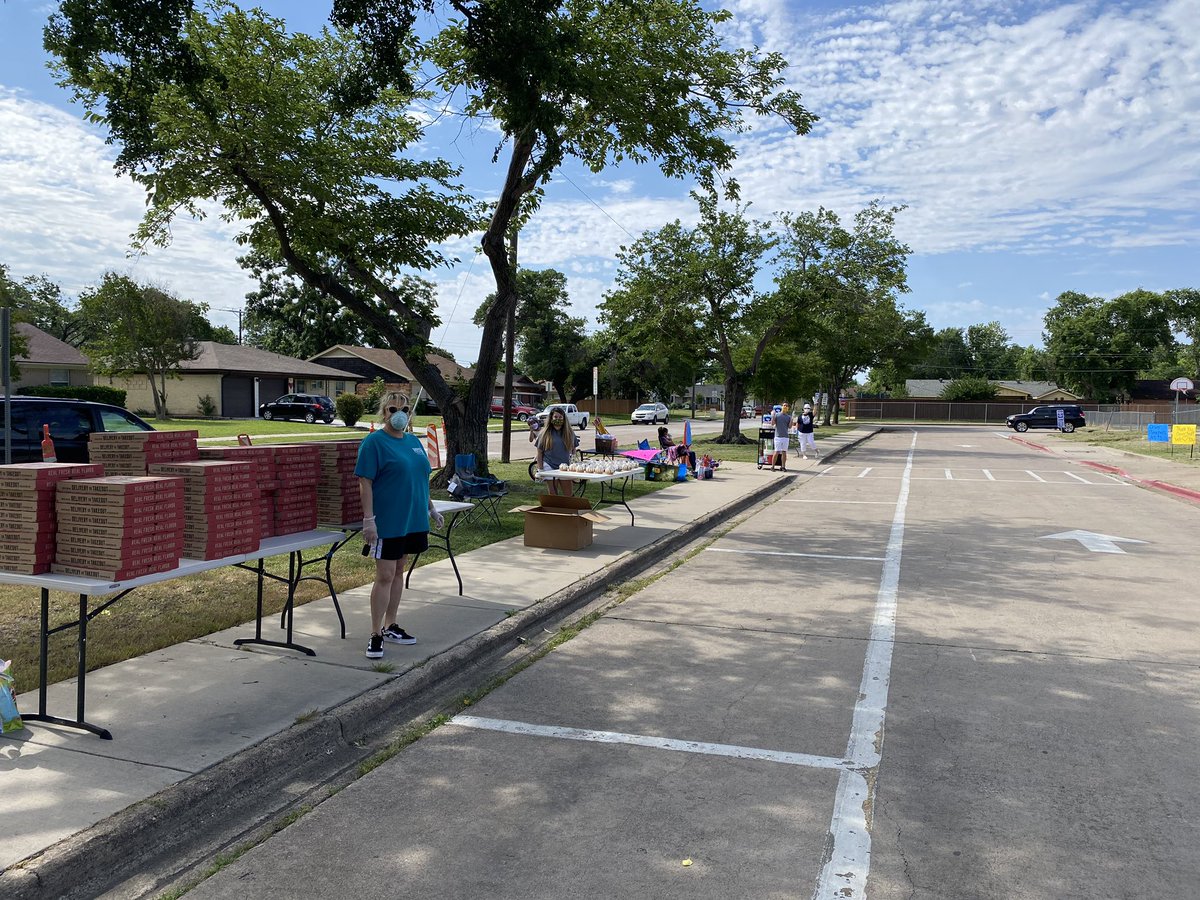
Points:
(945, 666)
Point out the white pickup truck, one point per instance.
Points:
(576, 418)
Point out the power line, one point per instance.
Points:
(598, 206)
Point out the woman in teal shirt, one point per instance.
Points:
(393, 481)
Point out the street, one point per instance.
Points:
(941, 667)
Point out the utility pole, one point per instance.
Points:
(239, 315)
(510, 343)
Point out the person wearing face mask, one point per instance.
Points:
(393, 481)
(555, 445)
(804, 426)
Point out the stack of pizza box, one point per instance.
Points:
(298, 470)
(27, 519)
(132, 452)
(263, 459)
(338, 500)
(220, 503)
(119, 526)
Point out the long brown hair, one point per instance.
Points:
(568, 435)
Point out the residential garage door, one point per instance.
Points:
(237, 396)
(269, 389)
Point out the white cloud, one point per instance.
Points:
(1069, 126)
(68, 215)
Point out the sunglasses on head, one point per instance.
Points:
(396, 409)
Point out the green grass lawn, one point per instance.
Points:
(171, 612)
(231, 428)
(1133, 442)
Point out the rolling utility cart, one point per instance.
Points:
(766, 446)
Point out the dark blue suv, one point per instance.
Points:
(70, 421)
(1047, 417)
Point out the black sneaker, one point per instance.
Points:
(375, 647)
(394, 634)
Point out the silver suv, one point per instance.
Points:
(652, 413)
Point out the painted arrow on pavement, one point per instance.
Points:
(1097, 543)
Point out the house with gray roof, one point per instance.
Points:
(1034, 391)
(48, 361)
(235, 379)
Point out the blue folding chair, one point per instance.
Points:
(484, 491)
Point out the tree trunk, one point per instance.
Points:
(731, 429)
(159, 397)
(464, 434)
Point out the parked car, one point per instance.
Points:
(1047, 417)
(650, 412)
(309, 407)
(70, 421)
(577, 418)
(519, 411)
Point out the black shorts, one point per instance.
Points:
(398, 547)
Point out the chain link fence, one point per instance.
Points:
(995, 412)
(1110, 418)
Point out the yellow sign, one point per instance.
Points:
(1183, 434)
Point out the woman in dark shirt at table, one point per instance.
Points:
(555, 446)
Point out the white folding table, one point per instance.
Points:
(608, 484)
(86, 588)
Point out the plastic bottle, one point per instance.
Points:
(48, 454)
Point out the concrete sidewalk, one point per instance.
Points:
(177, 713)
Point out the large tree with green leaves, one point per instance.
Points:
(300, 137)
(297, 143)
(38, 300)
(684, 295)
(140, 329)
(846, 280)
(947, 357)
(993, 355)
(1099, 346)
(1183, 305)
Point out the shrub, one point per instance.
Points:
(374, 394)
(97, 393)
(349, 407)
(207, 406)
(971, 387)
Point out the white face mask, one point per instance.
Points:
(399, 420)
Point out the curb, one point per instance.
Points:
(1148, 483)
(243, 792)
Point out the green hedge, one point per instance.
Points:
(98, 393)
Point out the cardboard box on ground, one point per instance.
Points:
(560, 523)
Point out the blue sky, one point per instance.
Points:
(1039, 147)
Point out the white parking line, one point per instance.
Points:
(1035, 475)
(990, 476)
(788, 553)
(865, 472)
(949, 476)
(1076, 477)
(657, 743)
(844, 874)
